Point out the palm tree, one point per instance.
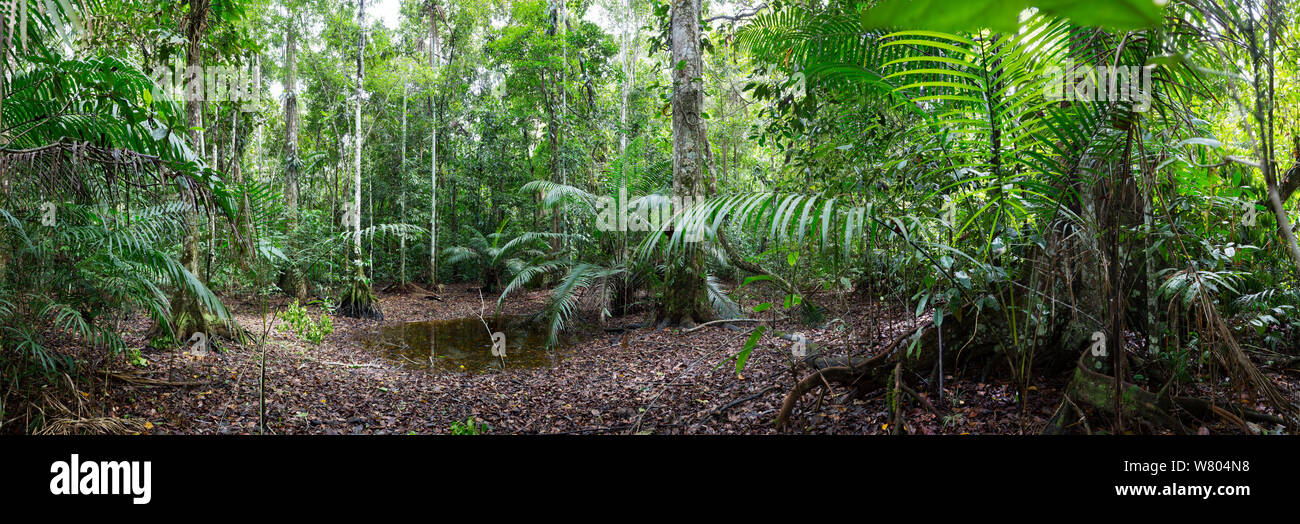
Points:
(605, 286)
(496, 256)
(75, 137)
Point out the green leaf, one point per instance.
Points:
(750, 344)
(912, 347)
(762, 307)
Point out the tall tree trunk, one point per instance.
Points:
(455, 194)
(433, 163)
(356, 135)
(401, 183)
(686, 298)
(532, 171)
(4, 138)
(553, 141)
(293, 281)
(629, 66)
(360, 301)
(187, 315)
(239, 141)
(557, 214)
(292, 162)
(1264, 108)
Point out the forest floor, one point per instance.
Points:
(640, 381)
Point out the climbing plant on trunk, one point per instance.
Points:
(187, 314)
(686, 299)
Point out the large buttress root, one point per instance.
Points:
(1153, 410)
(1098, 391)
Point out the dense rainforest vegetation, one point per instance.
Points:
(685, 216)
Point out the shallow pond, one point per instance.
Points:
(464, 344)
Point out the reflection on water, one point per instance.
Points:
(464, 344)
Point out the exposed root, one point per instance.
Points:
(864, 375)
(1098, 391)
(66, 421)
(925, 403)
(724, 408)
(842, 374)
(1057, 426)
(360, 302)
(1204, 408)
(92, 426)
(1152, 409)
(969, 340)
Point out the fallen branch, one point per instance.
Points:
(348, 364)
(723, 321)
(1230, 418)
